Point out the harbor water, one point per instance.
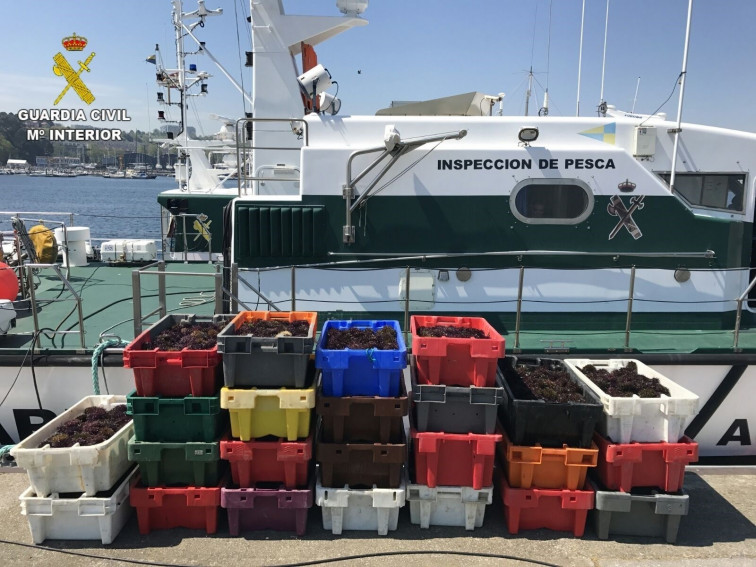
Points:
(111, 208)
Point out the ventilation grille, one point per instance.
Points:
(280, 232)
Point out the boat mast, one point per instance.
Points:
(580, 59)
(682, 94)
(177, 26)
(602, 102)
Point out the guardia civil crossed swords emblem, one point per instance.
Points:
(63, 68)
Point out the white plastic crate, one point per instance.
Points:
(360, 509)
(644, 420)
(123, 250)
(448, 505)
(82, 518)
(75, 469)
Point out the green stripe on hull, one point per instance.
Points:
(473, 225)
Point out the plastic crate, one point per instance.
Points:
(552, 509)
(454, 409)
(624, 466)
(83, 517)
(191, 507)
(282, 412)
(537, 422)
(546, 467)
(640, 419)
(448, 505)
(361, 465)
(177, 420)
(373, 509)
(648, 514)
(352, 372)
(174, 373)
(177, 464)
(454, 361)
(278, 461)
(253, 509)
(89, 469)
(362, 418)
(266, 361)
(454, 459)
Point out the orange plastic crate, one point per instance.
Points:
(455, 361)
(546, 467)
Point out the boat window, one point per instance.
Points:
(551, 201)
(712, 190)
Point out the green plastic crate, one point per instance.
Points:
(177, 420)
(177, 464)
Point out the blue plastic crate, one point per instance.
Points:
(361, 372)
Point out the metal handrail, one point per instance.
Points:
(739, 312)
(161, 273)
(243, 149)
(30, 267)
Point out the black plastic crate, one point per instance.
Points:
(537, 422)
(454, 409)
(351, 419)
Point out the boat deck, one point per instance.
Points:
(719, 530)
(107, 306)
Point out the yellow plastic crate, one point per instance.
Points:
(257, 412)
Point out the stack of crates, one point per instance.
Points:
(643, 452)
(454, 437)
(361, 445)
(178, 423)
(78, 492)
(269, 392)
(546, 452)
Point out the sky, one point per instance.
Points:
(411, 50)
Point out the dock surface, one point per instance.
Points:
(719, 530)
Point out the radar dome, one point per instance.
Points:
(352, 7)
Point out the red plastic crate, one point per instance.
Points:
(623, 466)
(456, 362)
(454, 459)
(552, 509)
(173, 373)
(252, 509)
(164, 508)
(267, 461)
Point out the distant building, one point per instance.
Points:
(17, 165)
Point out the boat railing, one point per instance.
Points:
(739, 312)
(237, 276)
(245, 144)
(30, 267)
(158, 269)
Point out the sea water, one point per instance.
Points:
(111, 208)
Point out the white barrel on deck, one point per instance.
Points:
(77, 236)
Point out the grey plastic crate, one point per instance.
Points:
(454, 409)
(277, 362)
(646, 514)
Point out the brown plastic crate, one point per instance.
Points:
(352, 419)
(361, 465)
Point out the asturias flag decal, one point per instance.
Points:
(602, 133)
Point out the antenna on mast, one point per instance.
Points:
(602, 102)
(544, 110)
(580, 60)
(635, 98)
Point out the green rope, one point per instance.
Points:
(5, 449)
(96, 357)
